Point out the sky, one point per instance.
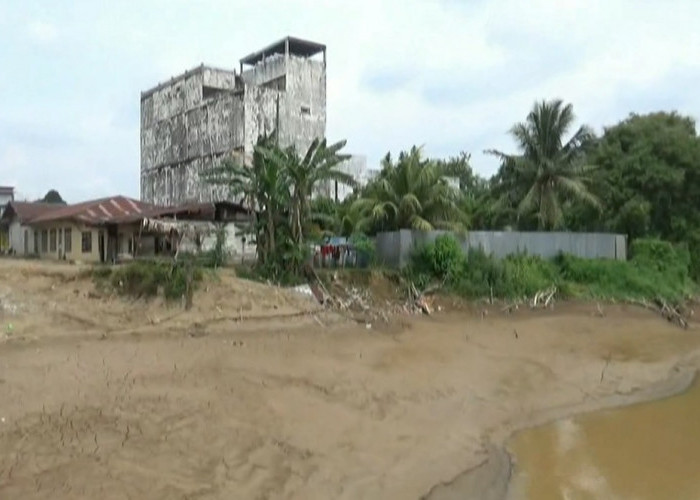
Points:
(448, 75)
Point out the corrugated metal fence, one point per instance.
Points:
(394, 248)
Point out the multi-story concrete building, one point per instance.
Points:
(192, 122)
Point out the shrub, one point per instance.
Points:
(442, 259)
(525, 275)
(145, 278)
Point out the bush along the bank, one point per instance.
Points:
(656, 269)
(144, 279)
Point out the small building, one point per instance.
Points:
(120, 228)
(15, 225)
(92, 231)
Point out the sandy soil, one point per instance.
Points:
(252, 395)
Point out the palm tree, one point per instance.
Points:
(550, 169)
(319, 164)
(264, 188)
(411, 194)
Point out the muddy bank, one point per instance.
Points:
(106, 398)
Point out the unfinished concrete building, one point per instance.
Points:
(192, 122)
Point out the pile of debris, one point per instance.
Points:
(541, 300)
(360, 302)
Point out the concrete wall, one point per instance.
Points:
(394, 248)
(17, 238)
(303, 112)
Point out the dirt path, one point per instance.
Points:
(209, 406)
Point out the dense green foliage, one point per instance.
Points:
(656, 269)
(641, 177)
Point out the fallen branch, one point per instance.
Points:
(661, 307)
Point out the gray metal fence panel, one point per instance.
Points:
(394, 248)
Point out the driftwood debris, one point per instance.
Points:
(419, 301)
(671, 313)
(544, 298)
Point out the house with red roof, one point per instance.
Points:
(91, 231)
(113, 228)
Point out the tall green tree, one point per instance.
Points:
(648, 179)
(411, 193)
(548, 170)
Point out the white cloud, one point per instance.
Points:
(13, 158)
(42, 32)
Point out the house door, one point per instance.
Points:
(26, 242)
(101, 245)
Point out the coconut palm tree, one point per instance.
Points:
(548, 170)
(410, 194)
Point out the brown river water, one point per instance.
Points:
(649, 451)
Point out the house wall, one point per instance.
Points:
(17, 236)
(60, 252)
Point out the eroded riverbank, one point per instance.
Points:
(217, 407)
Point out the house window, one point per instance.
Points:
(36, 242)
(86, 241)
(52, 240)
(68, 240)
(305, 110)
(44, 241)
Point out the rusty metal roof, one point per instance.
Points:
(26, 211)
(102, 211)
